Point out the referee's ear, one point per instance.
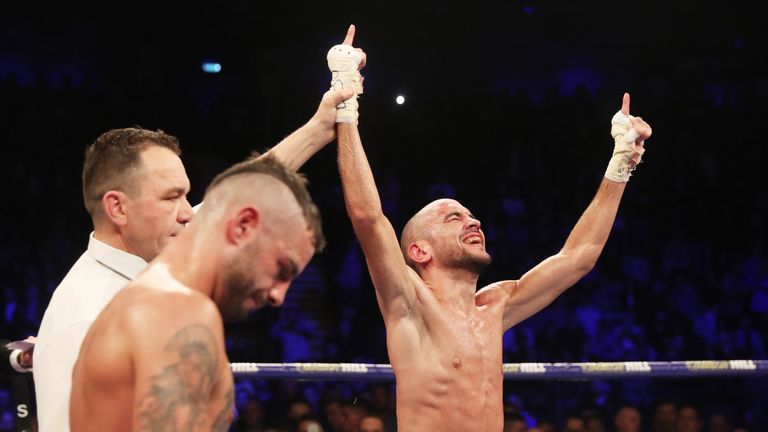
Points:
(116, 205)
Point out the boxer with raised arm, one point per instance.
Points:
(444, 337)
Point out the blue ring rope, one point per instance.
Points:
(516, 371)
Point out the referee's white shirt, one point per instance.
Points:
(83, 293)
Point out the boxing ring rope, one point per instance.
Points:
(516, 371)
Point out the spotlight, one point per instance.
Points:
(211, 67)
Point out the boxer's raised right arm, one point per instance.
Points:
(392, 278)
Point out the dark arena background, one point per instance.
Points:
(507, 107)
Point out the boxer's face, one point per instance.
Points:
(262, 272)
(456, 237)
(157, 209)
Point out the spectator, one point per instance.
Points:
(250, 417)
(627, 419)
(354, 411)
(718, 422)
(309, 423)
(665, 417)
(515, 422)
(688, 419)
(334, 415)
(574, 423)
(372, 423)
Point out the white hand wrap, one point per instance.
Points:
(344, 62)
(626, 154)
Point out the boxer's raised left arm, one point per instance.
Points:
(542, 284)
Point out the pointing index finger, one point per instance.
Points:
(625, 104)
(350, 35)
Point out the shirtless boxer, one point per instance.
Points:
(154, 359)
(444, 337)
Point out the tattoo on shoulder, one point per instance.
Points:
(178, 396)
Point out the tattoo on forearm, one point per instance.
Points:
(177, 399)
(221, 424)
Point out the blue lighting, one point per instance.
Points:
(211, 67)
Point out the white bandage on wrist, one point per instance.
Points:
(14, 360)
(344, 62)
(626, 154)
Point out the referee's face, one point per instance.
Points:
(158, 209)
